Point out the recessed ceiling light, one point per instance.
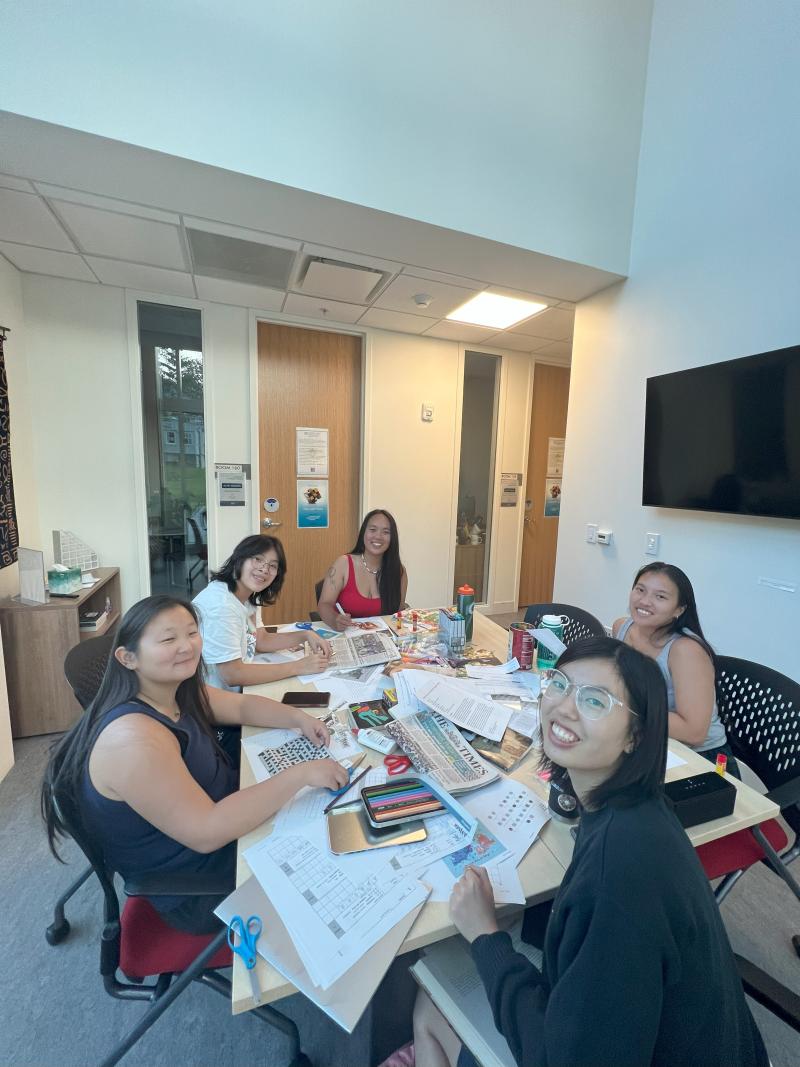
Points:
(492, 309)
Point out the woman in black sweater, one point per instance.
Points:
(637, 965)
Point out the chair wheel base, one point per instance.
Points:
(57, 932)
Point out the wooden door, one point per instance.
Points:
(308, 378)
(540, 532)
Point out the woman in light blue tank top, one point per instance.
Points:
(663, 624)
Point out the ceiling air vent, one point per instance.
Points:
(334, 280)
(217, 256)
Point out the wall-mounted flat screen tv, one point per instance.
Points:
(726, 437)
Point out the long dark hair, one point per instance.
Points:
(70, 755)
(641, 772)
(231, 570)
(391, 566)
(688, 618)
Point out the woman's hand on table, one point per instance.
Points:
(318, 644)
(314, 729)
(325, 773)
(314, 661)
(472, 904)
(342, 622)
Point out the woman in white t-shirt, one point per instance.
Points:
(228, 608)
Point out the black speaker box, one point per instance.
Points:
(701, 798)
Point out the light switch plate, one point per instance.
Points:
(427, 413)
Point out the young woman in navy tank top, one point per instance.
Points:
(153, 788)
(369, 580)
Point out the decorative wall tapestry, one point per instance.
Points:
(9, 535)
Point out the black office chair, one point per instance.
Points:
(137, 943)
(760, 709)
(84, 666)
(315, 615)
(579, 623)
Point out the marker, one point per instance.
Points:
(722, 763)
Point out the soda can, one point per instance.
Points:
(520, 644)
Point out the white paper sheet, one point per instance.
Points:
(499, 671)
(511, 811)
(483, 717)
(333, 918)
(674, 760)
(550, 640)
(525, 722)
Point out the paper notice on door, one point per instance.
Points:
(312, 452)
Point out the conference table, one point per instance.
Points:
(542, 870)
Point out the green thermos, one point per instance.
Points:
(466, 606)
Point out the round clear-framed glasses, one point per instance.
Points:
(267, 566)
(592, 701)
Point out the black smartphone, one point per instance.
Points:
(399, 801)
(306, 700)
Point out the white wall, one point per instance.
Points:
(714, 275)
(385, 105)
(78, 352)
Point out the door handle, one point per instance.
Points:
(270, 523)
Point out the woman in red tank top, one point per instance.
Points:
(370, 580)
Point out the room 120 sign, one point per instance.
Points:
(312, 504)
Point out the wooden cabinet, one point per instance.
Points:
(36, 639)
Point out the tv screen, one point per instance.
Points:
(726, 437)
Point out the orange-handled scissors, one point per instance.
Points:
(397, 764)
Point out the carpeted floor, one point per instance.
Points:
(56, 1013)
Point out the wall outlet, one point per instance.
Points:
(604, 537)
(427, 413)
(652, 543)
(591, 533)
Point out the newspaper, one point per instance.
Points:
(362, 650)
(436, 748)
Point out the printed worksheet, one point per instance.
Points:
(333, 918)
(511, 811)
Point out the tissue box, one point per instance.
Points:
(66, 581)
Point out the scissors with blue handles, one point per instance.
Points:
(246, 933)
(303, 626)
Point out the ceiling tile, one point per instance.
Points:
(241, 233)
(395, 320)
(47, 261)
(556, 348)
(345, 255)
(353, 285)
(136, 276)
(223, 291)
(107, 233)
(7, 181)
(555, 324)
(507, 339)
(24, 217)
(446, 279)
(459, 331)
(311, 307)
(399, 296)
(106, 203)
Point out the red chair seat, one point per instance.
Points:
(149, 946)
(739, 851)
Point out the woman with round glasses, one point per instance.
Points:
(663, 624)
(228, 607)
(637, 965)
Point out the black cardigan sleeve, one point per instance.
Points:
(604, 1006)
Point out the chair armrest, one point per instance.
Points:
(179, 884)
(785, 795)
(769, 992)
